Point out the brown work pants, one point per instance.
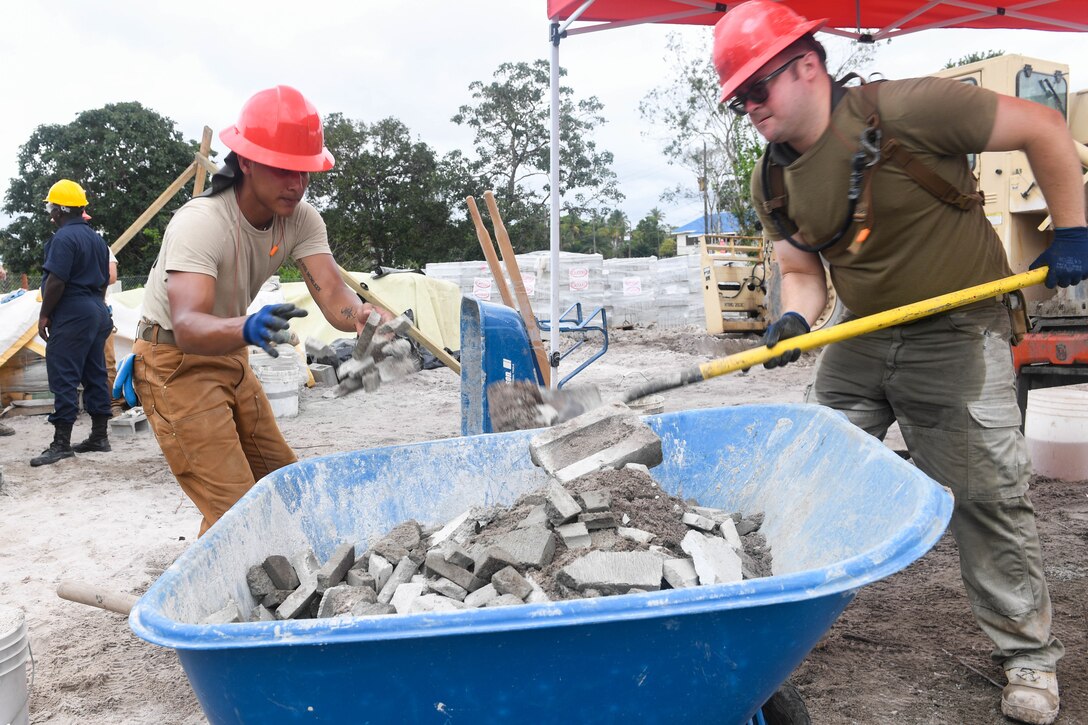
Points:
(213, 423)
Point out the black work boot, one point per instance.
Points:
(60, 448)
(99, 439)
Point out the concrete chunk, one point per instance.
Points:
(533, 546)
(435, 603)
(262, 613)
(509, 581)
(375, 609)
(400, 540)
(560, 505)
(454, 554)
(572, 449)
(404, 596)
(343, 599)
(490, 560)
(680, 573)
(537, 516)
(504, 600)
(402, 574)
(481, 596)
(598, 520)
(360, 578)
(332, 573)
(728, 530)
(538, 594)
(714, 514)
(461, 577)
(381, 569)
(299, 601)
(613, 572)
(636, 535)
(447, 531)
(596, 501)
(306, 566)
(277, 597)
(281, 572)
(749, 524)
(575, 536)
(259, 583)
(227, 615)
(702, 523)
(715, 561)
(447, 588)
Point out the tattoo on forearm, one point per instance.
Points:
(347, 312)
(309, 276)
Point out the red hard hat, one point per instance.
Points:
(279, 127)
(751, 34)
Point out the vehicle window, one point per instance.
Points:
(1049, 89)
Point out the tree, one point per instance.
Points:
(973, 58)
(649, 234)
(124, 156)
(702, 135)
(388, 199)
(510, 117)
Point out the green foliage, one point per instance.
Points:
(388, 199)
(649, 234)
(700, 134)
(124, 155)
(667, 248)
(973, 58)
(510, 117)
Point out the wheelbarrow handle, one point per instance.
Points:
(840, 332)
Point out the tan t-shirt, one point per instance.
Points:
(919, 247)
(210, 235)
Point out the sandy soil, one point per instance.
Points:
(905, 651)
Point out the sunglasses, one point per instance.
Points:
(759, 92)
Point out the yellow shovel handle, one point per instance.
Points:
(872, 323)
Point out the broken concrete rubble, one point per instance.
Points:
(637, 539)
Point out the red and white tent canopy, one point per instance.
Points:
(868, 20)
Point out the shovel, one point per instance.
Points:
(519, 405)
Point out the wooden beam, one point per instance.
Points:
(489, 253)
(414, 332)
(524, 307)
(152, 210)
(201, 174)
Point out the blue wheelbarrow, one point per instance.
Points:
(841, 511)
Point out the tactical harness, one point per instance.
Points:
(873, 152)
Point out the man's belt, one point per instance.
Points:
(154, 333)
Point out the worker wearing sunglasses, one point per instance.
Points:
(760, 91)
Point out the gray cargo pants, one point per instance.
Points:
(949, 382)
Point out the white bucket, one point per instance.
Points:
(281, 388)
(1056, 428)
(14, 650)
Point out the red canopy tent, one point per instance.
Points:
(864, 20)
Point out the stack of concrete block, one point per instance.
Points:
(632, 291)
(560, 542)
(679, 291)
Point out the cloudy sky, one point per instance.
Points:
(196, 62)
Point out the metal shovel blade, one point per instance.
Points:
(519, 404)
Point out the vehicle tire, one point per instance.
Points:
(833, 312)
(786, 707)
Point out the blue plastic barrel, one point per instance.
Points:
(841, 511)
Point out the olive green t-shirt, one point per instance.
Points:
(919, 247)
(211, 236)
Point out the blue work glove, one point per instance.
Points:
(269, 324)
(1067, 257)
(788, 325)
(122, 384)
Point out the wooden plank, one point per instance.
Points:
(414, 332)
(489, 253)
(201, 174)
(152, 210)
(524, 307)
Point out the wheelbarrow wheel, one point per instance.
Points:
(786, 707)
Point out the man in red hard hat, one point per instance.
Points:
(898, 223)
(190, 362)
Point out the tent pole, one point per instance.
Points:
(553, 336)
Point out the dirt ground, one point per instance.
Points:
(906, 650)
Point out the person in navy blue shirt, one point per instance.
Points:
(74, 322)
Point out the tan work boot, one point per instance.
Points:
(1031, 696)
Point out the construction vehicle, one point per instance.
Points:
(1055, 349)
(734, 273)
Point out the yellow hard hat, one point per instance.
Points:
(67, 193)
